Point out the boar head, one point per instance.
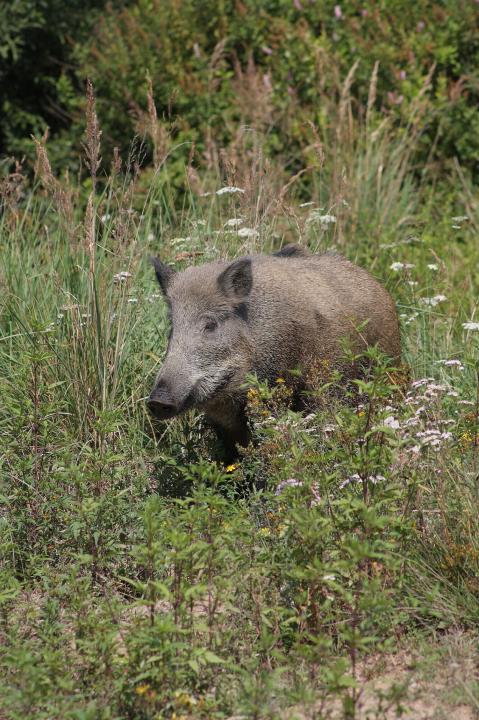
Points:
(209, 348)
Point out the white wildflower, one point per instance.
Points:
(327, 219)
(329, 577)
(432, 437)
(434, 388)
(352, 479)
(391, 422)
(316, 496)
(373, 479)
(396, 266)
(459, 218)
(229, 190)
(451, 363)
(121, 276)
(432, 266)
(412, 422)
(247, 233)
(133, 300)
(470, 325)
(290, 482)
(412, 283)
(411, 318)
(433, 301)
(233, 222)
(315, 216)
(422, 382)
(456, 227)
(329, 428)
(150, 237)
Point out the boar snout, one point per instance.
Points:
(162, 404)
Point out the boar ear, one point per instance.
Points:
(164, 273)
(237, 279)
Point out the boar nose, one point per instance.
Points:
(161, 404)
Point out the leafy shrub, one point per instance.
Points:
(35, 68)
(142, 579)
(277, 67)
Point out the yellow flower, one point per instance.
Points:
(280, 380)
(142, 689)
(466, 439)
(265, 532)
(184, 699)
(231, 468)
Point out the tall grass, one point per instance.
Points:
(140, 578)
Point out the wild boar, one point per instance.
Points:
(265, 315)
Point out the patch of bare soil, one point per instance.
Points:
(432, 681)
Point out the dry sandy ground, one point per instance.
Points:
(422, 680)
(434, 681)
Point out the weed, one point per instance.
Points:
(141, 579)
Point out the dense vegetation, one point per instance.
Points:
(275, 66)
(140, 578)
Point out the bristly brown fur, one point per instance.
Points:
(298, 310)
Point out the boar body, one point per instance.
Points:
(265, 315)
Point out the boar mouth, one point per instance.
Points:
(202, 391)
(207, 388)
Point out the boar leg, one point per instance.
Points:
(231, 433)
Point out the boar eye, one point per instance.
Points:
(210, 325)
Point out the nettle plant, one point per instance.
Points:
(299, 576)
(338, 514)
